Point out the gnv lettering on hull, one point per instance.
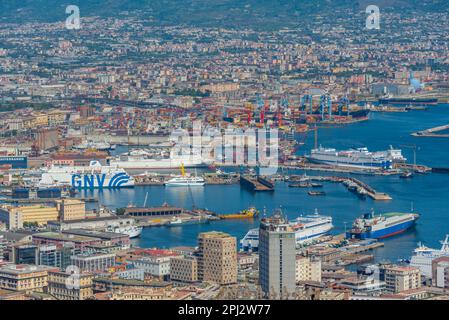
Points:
(98, 180)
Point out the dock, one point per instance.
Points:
(433, 132)
(361, 188)
(43, 200)
(257, 184)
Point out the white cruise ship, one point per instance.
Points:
(423, 256)
(357, 158)
(141, 159)
(185, 181)
(93, 176)
(307, 229)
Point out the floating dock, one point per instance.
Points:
(433, 132)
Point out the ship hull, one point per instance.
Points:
(407, 102)
(183, 184)
(383, 233)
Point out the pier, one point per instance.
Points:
(433, 132)
(256, 183)
(361, 188)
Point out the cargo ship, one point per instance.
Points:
(359, 158)
(307, 229)
(370, 226)
(408, 101)
(244, 214)
(86, 177)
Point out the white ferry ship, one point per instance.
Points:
(307, 229)
(357, 158)
(423, 256)
(185, 180)
(93, 176)
(142, 159)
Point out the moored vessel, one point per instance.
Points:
(93, 176)
(307, 228)
(381, 226)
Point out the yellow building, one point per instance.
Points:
(23, 277)
(71, 209)
(80, 289)
(56, 117)
(40, 120)
(16, 217)
(184, 269)
(308, 269)
(402, 278)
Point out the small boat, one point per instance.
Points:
(406, 175)
(177, 221)
(316, 193)
(300, 185)
(316, 185)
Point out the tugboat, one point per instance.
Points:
(406, 175)
(316, 193)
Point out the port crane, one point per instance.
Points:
(306, 99)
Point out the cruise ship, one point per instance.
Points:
(357, 158)
(381, 226)
(423, 256)
(85, 177)
(307, 228)
(142, 159)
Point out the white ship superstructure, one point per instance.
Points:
(423, 256)
(307, 228)
(357, 158)
(185, 181)
(142, 159)
(93, 176)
